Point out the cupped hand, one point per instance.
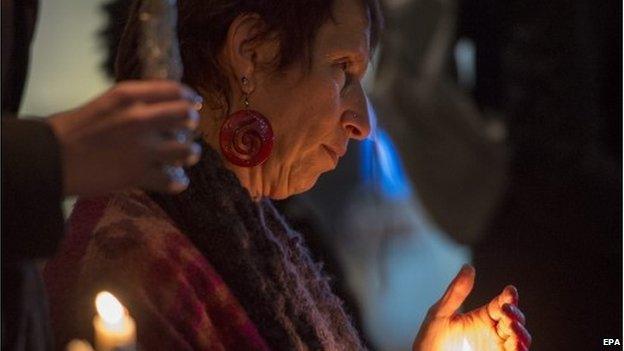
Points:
(497, 326)
(137, 134)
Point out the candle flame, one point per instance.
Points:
(466, 346)
(109, 308)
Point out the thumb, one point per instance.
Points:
(456, 293)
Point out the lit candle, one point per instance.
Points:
(78, 345)
(466, 346)
(115, 330)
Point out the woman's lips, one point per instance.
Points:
(334, 154)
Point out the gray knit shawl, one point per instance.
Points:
(261, 259)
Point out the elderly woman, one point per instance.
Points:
(216, 267)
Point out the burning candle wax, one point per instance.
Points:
(115, 330)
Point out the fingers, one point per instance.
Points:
(514, 313)
(166, 116)
(169, 156)
(456, 293)
(141, 94)
(511, 326)
(495, 307)
(521, 333)
(150, 91)
(513, 344)
(167, 179)
(172, 152)
(520, 340)
(503, 328)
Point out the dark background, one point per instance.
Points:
(554, 67)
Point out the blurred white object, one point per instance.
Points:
(466, 63)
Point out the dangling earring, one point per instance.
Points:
(246, 137)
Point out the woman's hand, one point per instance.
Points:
(497, 326)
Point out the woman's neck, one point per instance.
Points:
(250, 177)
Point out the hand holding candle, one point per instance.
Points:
(497, 326)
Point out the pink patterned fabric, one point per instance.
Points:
(126, 244)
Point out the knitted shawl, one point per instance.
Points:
(208, 269)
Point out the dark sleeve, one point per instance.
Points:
(32, 217)
(18, 26)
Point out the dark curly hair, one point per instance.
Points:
(202, 29)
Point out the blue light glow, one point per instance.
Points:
(381, 167)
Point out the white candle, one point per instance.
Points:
(115, 330)
(78, 345)
(466, 346)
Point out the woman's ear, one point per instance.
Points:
(249, 49)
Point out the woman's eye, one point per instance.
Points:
(344, 66)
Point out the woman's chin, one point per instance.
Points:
(301, 186)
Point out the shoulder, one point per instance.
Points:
(135, 237)
(134, 229)
(176, 295)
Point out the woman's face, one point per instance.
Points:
(314, 113)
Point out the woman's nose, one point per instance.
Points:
(356, 124)
(356, 120)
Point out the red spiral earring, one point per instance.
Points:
(246, 137)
